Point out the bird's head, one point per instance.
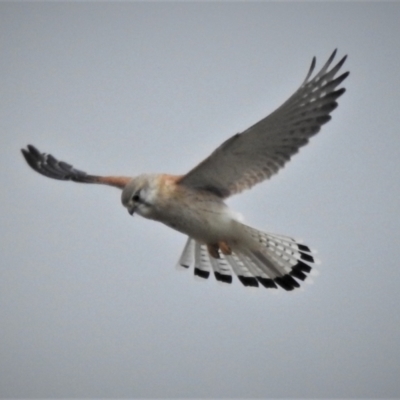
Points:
(139, 195)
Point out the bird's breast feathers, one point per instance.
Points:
(197, 213)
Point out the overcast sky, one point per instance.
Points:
(90, 302)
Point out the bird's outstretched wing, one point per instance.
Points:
(47, 165)
(259, 152)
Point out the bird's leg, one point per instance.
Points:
(225, 248)
(213, 250)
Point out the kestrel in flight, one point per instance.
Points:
(194, 203)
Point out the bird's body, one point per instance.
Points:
(194, 204)
(200, 215)
(218, 239)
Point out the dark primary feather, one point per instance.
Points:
(49, 166)
(259, 152)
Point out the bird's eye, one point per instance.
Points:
(136, 197)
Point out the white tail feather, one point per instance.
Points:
(274, 261)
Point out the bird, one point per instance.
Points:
(194, 203)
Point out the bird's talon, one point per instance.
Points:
(213, 250)
(225, 248)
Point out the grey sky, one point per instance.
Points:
(90, 302)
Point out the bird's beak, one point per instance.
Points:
(132, 210)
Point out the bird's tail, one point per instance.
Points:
(272, 261)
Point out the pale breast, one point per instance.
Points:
(200, 215)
